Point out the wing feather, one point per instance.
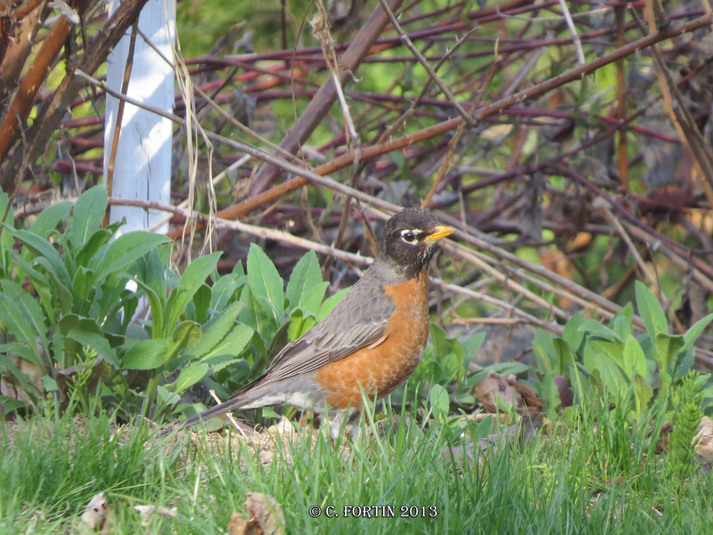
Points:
(358, 321)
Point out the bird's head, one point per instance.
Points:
(409, 240)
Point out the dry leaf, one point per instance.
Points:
(148, 511)
(499, 392)
(704, 440)
(95, 513)
(266, 517)
(238, 525)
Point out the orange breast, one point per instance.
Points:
(381, 369)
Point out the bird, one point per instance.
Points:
(371, 341)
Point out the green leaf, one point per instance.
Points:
(30, 310)
(643, 392)
(87, 333)
(224, 290)
(233, 343)
(266, 283)
(613, 379)
(330, 303)
(621, 324)
(20, 326)
(145, 355)
(634, 358)
(88, 215)
(306, 277)
(695, 331)
(572, 332)
(564, 354)
(184, 335)
(215, 330)
(85, 254)
(300, 323)
(472, 344)
(201, 302)
(6, 239)
(190, 375)
(193, 278)
(124, 251)
(595, 328)
(439, 402)
(666, 347)
(49, 218)
(46, 255)
(167, 397)
(650, 310)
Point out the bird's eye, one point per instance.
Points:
(410, 236)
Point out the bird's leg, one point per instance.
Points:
(342, 420)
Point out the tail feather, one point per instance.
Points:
(238, 400)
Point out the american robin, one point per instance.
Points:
(372, 340)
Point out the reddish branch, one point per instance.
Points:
(55, 108)
(22, 103)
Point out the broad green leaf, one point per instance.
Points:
(597, 329)
(312, 300)
(644, 393)
(31, 311)
(614, 350)
(572, 333)
(666, 347)
(21, 327)
(545, 351)
(201, 302)
(650, 310)
(82, 288)
(124, 251)
(564, 354)
(254, 316)
(621, 324)
(46, 255)
(6, 239)
(190, 375)
(306, 277)
(439, 402)
(96, 341)
(224, 290)
(167, 397)
(49, 218)
(145, 355)
(695, 331)
(192, 279)
(472, 344)
(184, 335)
(215, 330)
(634, 358)
(439, 341)
(233, 343)
(84, 255)
(330, 303)
(611, 376)
(300, 323)
(266, 283)
(88, 215)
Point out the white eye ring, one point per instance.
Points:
(410, 236)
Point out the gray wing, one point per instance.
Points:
(359, 320)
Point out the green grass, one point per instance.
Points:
(603, 478)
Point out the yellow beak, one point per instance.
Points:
(441, 231)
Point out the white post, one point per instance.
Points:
(142, 167)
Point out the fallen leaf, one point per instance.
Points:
(500, 393)
(704, 441)
(147, 512)
(265, 517)
(95, 513)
